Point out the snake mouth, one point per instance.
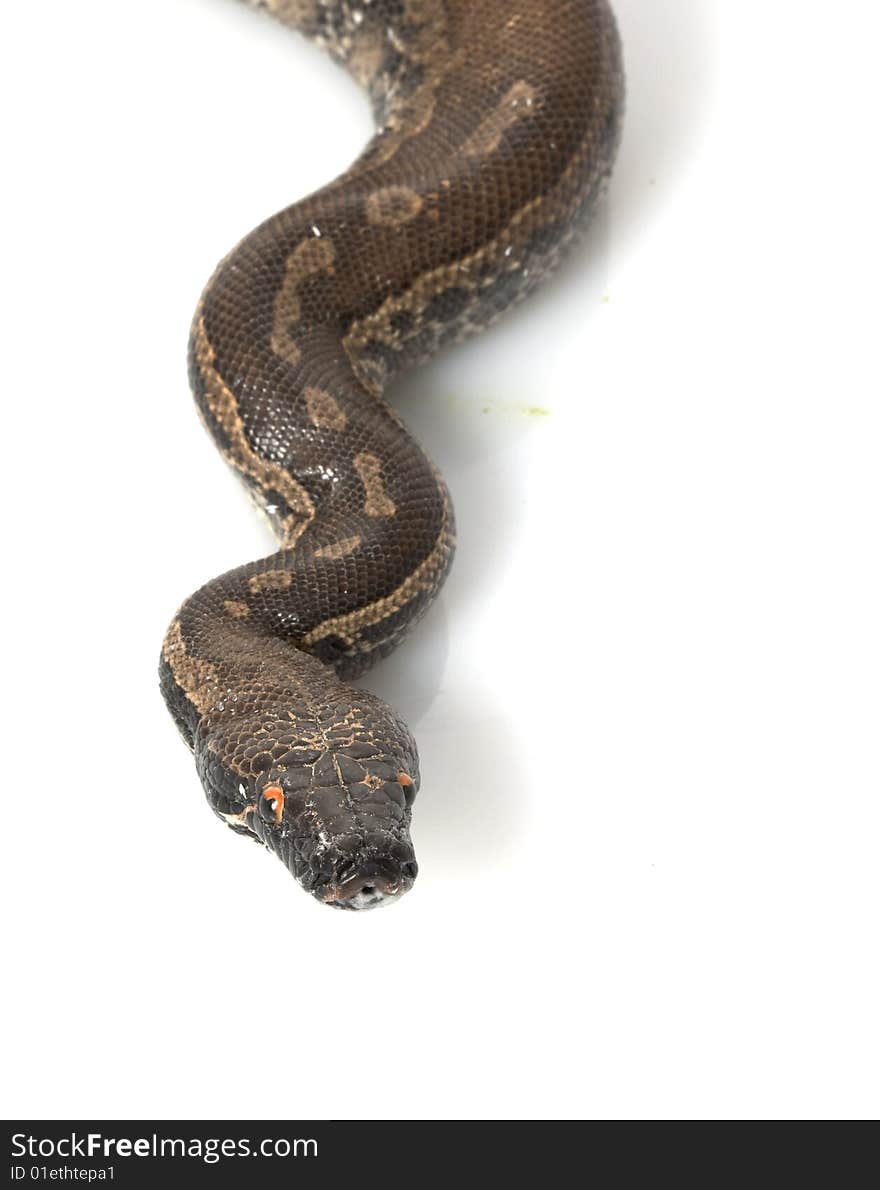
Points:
(370, 886)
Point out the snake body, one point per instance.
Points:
(497, 126)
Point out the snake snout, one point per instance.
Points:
(369, 881)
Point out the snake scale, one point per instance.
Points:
(497, 125)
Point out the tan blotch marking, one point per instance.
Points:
(378, 503)
(339, 549)
(325, 412)
(403, 123)
(236, 609)
(241, 818)
(462, 273)
(509, 242)
(270, 580)
(197, 679)
(516, 104)
(223, 406)
(424, 578)
(393, 206)
(315, 255)
(274, 795)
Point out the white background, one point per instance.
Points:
(648, 700)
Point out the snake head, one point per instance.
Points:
(341, 825)
(328, 786)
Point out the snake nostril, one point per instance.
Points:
(368, 889)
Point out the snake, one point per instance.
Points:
(496, 128)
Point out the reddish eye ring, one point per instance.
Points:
(272, 798)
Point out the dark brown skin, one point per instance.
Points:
(498, 124)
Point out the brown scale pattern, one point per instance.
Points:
(497, 126)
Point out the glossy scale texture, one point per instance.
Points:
(497, 126)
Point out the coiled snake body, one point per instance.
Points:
(498, 121)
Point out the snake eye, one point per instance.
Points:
(408, 786)
(272, 803)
